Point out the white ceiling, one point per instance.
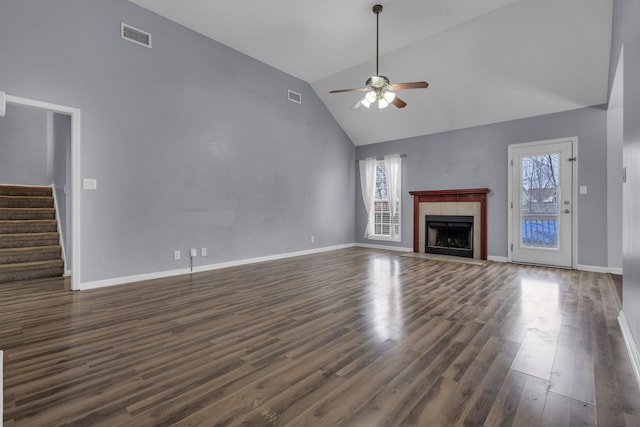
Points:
(486, 61)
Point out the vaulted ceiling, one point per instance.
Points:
(486, 61)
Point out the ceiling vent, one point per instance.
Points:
(294, 97)
(135, 35)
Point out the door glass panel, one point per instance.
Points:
(540, 201)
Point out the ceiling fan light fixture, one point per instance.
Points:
(383, 103)
(389, 96)
(371, 96)
(377, 81)
(365, 102)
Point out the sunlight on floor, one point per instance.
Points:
(385, 304)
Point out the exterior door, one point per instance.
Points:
(542, 211)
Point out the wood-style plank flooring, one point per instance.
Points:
(353, 337)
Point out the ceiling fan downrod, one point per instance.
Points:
(377, 9)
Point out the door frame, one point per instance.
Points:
(76, 186)
(574, 194)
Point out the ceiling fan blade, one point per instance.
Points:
(360, 89)
(398, 102)
(413, 85)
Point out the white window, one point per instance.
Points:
(384, 225)
(380, 180)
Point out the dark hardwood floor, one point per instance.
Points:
(354, 337)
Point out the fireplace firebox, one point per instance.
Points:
(449, 235)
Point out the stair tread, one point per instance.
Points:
(24, 196)
(24, 190)
(48, 234)
(25, 202)
(30, 248)
(26, 220)
(23, 186)
(45, 263)
(28, 209)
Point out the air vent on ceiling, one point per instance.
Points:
(294, 96)
(135, 35)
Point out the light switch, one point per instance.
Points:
(583, 189)
(89, 184)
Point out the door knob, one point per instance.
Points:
(567, 211)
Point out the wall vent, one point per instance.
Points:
(294, 96)
(135, 35)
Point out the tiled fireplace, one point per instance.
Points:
(449, 209)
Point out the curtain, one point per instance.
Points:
(392, 171)
(368, 185)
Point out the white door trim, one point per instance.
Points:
(75, 175)
(574, 197)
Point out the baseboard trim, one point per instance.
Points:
(631, 345)
(132, 279)
(181, 271)
(237, 263)
(598, 269)
(497, 258)
(383, 247)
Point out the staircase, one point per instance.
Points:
(29, 240)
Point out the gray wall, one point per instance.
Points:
(626, 32)
(23, 146)
(477, 158)
(192, 144)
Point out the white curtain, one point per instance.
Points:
(368, 185)
(392, 171)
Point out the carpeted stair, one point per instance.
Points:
(29, 241)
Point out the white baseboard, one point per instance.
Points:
(177, 272)
(632, 347)
(599, 269)
(268, 258)
(497, 258)
(131, 279)
(383, 247)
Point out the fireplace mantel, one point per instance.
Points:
(462, 195)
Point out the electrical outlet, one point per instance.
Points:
(203, 252)
(176, 255)
(194, 252)
(313, 239)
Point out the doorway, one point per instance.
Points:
(74, 115)
(542, 205)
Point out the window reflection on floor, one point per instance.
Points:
(536, 292)
(537, 323)
(385, 299)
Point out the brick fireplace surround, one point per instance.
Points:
(476, 197)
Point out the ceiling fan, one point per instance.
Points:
(378, 87)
